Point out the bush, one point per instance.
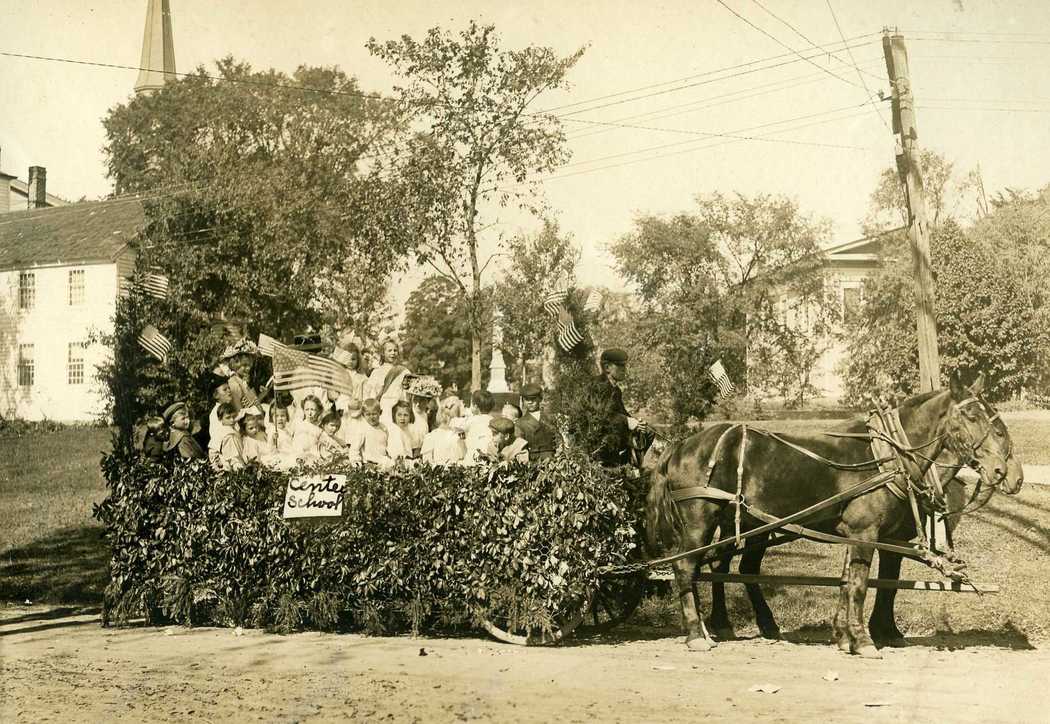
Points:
(415, 550)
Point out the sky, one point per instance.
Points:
(683, 70)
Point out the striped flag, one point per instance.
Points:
(555, 300)
(267, 344)
(293, 370)
(153, 284)
(568, 335)
(718, 375)
(154, 342)
(594, 301)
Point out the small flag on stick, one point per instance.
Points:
(554, 300)
(568, 335)
(594, 301)
(294, 369)
(154, 342)
(718, 375)
(267, 344)
(153, 284)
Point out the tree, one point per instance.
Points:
(436, 333)
(473, 146)
(986, 321)
(710, 284)
(532, 263)
(262, 201)
(944, 188)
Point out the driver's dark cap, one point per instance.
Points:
(614, 356)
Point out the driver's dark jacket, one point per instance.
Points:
(608, 403)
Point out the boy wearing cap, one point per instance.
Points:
(180, 443)
(502, 445)
(541, 437)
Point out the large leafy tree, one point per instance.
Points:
(945, 187)
(987, 320)
(532, 263)
(436, 333)
(264, 202)
(474, 147)
(712, 284)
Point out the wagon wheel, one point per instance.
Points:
(616, 599)
(498, 625)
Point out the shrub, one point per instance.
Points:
(415, 550)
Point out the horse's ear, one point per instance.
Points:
(978, 386)
(956, 386)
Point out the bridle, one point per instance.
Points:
(973, 447)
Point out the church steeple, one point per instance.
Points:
(158, 51)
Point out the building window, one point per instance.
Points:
(26, 291)
(76, 287)
(25, 365)
(75, 363)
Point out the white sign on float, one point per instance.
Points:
(314, 496)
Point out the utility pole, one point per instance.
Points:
(915, 195)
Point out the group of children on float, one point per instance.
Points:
(387, 418)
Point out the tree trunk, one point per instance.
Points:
(475, 358)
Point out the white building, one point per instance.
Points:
(60, 272)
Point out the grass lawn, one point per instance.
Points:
(51, 549)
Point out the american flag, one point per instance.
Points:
(718, 375)
(152, 283)
(267, 345)
(594, 301)
(568, 335)
(151, 340)
(555, 299)
(293, 370)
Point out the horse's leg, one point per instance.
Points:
(699, 529)
(881, 625)
(856, 589)
(839, 629)
(720, 624)
(751, 563)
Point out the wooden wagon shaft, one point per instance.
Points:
(943, 586)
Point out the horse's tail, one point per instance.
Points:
(662, 522)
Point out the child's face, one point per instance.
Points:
(311, 411)
(180, 420)
(331, 427)
(401, 417)
(532, 404)
(503, 439)
(372, 417)
(252, 426)
(354, 360)
(228, 419)
(223, 394)
(280, 419)
(242, 365)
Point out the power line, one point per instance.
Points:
(824, 50)
(697, 84)
(859, 76)
(707, 146)
(808, 40)
(785, 45)
(734, 135)
(679, 109)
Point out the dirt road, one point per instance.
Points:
(69, 669)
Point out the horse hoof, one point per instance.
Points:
(843, 645)
(700, 644)
(868, 651)
(770, 633)
(724, 633)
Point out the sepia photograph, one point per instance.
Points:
(536, 361)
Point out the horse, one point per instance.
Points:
(723, 477)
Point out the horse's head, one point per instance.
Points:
(977, 435)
